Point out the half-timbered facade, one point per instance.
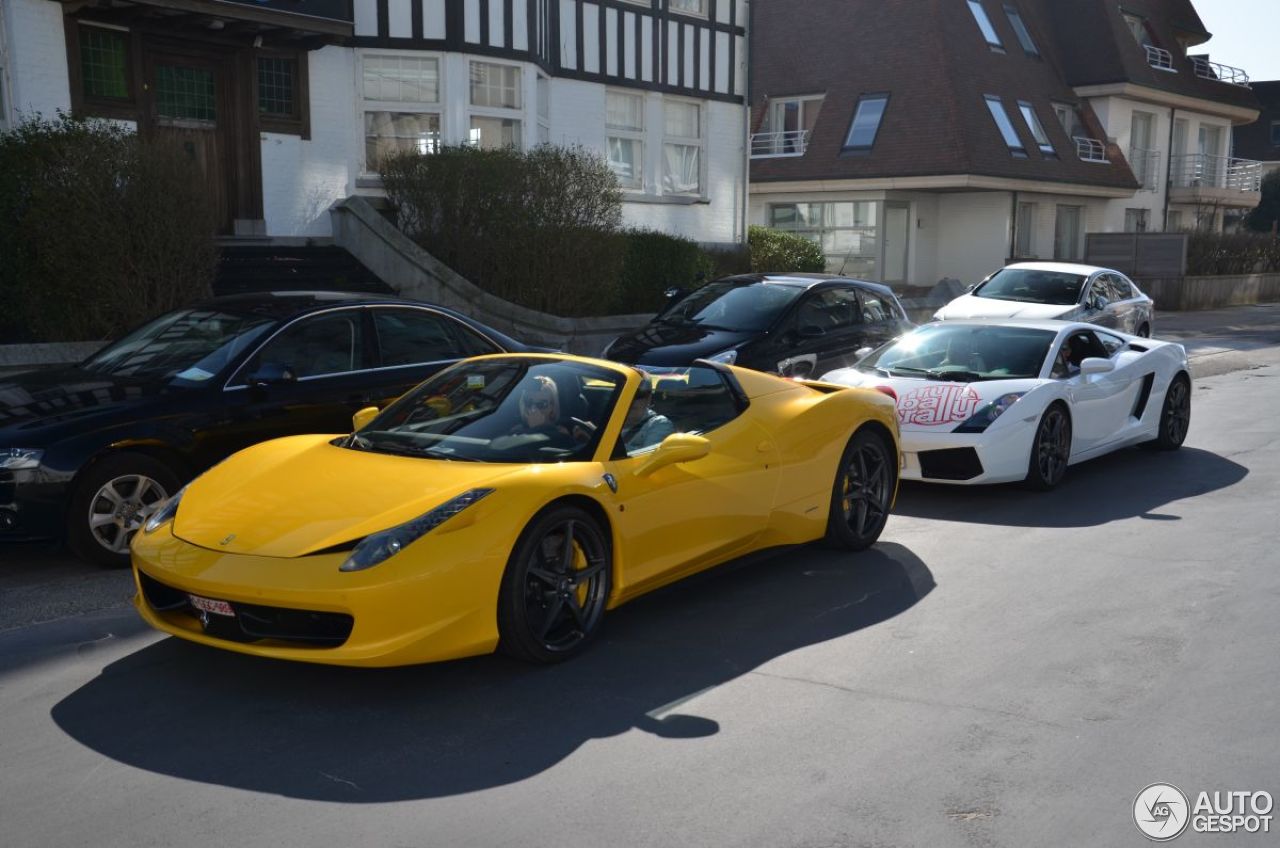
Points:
(288, 104)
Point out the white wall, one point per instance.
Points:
(302, 179)
(37, 55)
(973, 234)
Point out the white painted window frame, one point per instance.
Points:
(631, 134)
(518, 114)
(436, 108)
(700, 142)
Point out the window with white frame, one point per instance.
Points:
(1025, 244)
(689, 7)
(497, 119)
(681, 147)
(1135, 220)
(401, 104)
(847, 231)
(624, 121)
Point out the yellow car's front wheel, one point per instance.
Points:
(863, 491)
(556, 586)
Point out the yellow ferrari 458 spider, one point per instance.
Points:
(508, 502)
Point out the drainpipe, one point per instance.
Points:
(746, 125)
(1168, 172)
(1013, 229)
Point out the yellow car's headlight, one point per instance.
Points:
(379, 547)
(166, 513)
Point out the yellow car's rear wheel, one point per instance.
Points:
(556, 586)
(863, 491)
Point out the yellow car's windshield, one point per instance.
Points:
(498, 410)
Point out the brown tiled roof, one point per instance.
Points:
(1097, 48)
(1253, 141)
(932, 60)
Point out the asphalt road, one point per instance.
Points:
(1002, 669)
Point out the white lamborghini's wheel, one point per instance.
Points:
(1175, 414)
(1051, 449)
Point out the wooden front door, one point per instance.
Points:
(190, 96)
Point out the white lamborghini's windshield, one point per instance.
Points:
(963, 353)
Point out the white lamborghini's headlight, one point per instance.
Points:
(728, 357)
(379, 547)
(986, 416)
(166, 513)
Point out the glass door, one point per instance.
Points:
(896, 241)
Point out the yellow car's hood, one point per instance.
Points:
(299, 495)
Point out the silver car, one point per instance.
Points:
(1061, 290)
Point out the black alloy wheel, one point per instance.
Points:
(863, 491)
(556, 587)
(1175, 414)
(1051, 450)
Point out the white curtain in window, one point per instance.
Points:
(683, 168)
(682, 119)
(624, 111)
(624, 159)
(401, 79)
(396, 132)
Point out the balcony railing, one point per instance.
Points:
(771, 144)
(1090, 149)
(1222, 73)
(1146, 167)
(1197, 170)
(1159, 58)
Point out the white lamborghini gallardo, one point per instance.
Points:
(1003, 401)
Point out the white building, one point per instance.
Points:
(288, 103)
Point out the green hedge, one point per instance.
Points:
(779, 251)
(655, 262)
(1229, 254)
(99, 230)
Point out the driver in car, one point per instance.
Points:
(643, 428)
(540, 408)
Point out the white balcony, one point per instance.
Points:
(774, 145)
(1197, 178)
(1222, 73)
(1146, 167)
(1160, 59)
(1090, 149)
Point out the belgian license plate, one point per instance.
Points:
(211, 606)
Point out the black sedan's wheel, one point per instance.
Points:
(1175, 415)
(556, 586)
(1051, 450)
(863, 491)
(110, 503)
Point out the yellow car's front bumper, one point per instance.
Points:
(431, 602)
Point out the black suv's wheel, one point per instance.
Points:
(556, 586)
(862, 492)
(110, 503)
(1175, 414)
(1051, 450)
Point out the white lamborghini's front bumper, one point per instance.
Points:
(967, 459)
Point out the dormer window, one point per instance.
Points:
(996, 106)
(984, 24)
(866, 122)
(1020, 30)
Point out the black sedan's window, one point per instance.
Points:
(412, 336)
(323, 344)
(187, 347)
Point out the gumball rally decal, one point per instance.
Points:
(933, 405)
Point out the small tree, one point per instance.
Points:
(99, 230)
(1266, 217)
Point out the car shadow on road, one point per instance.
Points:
(377, 735)
(1130, 483)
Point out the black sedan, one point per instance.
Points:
(796, 325)
(91, 450)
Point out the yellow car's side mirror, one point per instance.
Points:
(676, 448)
(363, 417)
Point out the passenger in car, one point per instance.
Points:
(643, 427)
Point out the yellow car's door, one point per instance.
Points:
(679, 516)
